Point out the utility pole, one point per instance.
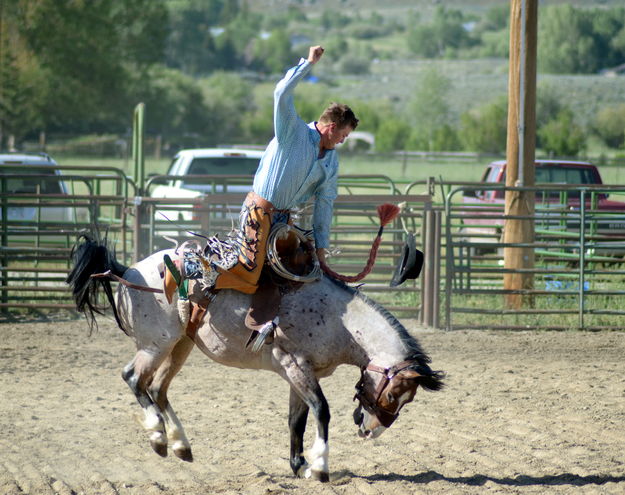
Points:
(520, 150)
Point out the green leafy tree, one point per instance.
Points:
(446, 33)
(82, 55)
(561, 136)
(229, 99)
(392, 135)
(429, 112)
(569, 42)
(273, 55)
(175, 105)
(484, 129)
(609, 125)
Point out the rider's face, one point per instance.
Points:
(337, 135)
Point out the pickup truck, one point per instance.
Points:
(195, 174)
(556, 208)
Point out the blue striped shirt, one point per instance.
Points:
(290, 171)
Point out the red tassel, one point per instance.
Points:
(387, 213)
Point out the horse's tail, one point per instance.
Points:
(89, 256)
(430, 380)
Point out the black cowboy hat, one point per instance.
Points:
(410, 263)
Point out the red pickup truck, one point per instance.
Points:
(557, 208)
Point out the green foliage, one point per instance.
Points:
(444, 34)
(609, 125)
(174, 102)
(561, 136)
(80, 67)
(579, 41)
(430, 116)
(392, 135)
(355, 65)
(334, 19)
(229, 99)
(273, 55)
(77, 57)
(484, 129)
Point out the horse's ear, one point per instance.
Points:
(410, 374)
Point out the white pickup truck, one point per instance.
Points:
(196, 173)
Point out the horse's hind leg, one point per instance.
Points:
(158, 391)
(138, 375)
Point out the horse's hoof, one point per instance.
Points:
(184, 454)
(158, 443)
(320, 476)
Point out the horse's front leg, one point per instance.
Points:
(298, 414)
(304, 383)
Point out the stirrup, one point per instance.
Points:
(259, 337)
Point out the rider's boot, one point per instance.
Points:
(264, 335)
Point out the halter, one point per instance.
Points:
(371, 404)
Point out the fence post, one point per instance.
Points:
(436, 279)
(424, 313)
(430, 283)
(582, 257)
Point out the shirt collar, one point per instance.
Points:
(315, 136)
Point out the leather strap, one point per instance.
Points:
(253, 199)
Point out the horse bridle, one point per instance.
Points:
(371, 404)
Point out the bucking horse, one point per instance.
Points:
(322, 325)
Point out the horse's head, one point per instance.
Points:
(382, 392)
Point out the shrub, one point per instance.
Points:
(562, 136)
(484, 129)
(609, 125)
(392, 135)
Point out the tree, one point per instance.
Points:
(445, 33)
(484, 129)
(429, 111)
(229, 99)
(273, 55)
(392, 135)
(567, 44)
(561, 136)
(81, 54)
(609, 125)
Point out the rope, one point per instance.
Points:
(274, 259)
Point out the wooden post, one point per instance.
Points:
(520, 148)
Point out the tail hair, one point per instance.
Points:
(90, 255)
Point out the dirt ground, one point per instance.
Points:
(523, 412)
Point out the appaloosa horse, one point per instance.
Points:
(322, 325)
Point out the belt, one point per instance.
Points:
(253, 199)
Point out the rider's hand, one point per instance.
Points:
(314, 54)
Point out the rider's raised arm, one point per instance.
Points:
(285, 118)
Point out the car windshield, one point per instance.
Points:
(562, 175)
(18, 181)
(224, 166)
(230, 165)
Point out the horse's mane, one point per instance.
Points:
(415, 352)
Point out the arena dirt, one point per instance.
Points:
(523, 412)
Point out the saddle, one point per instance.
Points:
(291, 262)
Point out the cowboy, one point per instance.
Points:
(300, 162)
